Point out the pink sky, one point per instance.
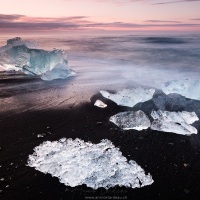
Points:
(50, 15)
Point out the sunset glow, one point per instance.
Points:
(93, 15)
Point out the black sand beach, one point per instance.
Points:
(172, 160)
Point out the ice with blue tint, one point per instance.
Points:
(129, 97)
(189, 88)
(20, 55)
(76, 162)
(60, 71)
(175, 122)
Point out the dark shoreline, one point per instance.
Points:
(163, 155)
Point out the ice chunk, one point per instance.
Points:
(175, 122)
(131, 120)
(17, 55)
(60, 71)
(76, 162)
(100, 104)
(17, 41)
(187, 88)
(129, 97)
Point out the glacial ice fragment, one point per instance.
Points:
(19, 55)
(129, 97)
(60, 71)
(76, 162)
(175, 122)
(100, 104)
(131, 120)
(187, 88)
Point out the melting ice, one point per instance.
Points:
(20, 55)
(100, 104)
(175, 122)
(131, 120)
(76, 162)
(129, 97)
(187, 88)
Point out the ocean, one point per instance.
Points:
(144, 58)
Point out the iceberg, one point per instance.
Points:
(129, 97)
(187, 88)
(76, 162)
(20, 55)
(100, 104)
(131, 120)
(175, 122)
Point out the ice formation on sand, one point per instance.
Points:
(19, 55)
(100, 104)
(76, 162)
(175, 122)
(129, 97)
(60, 71)
(131, 120)
(187, 88)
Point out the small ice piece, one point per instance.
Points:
(76, 162)
(131, 120)
(175, 122)
(187, 88)
(129, 97)
(100, 104)
(60, 71)
(41, 135)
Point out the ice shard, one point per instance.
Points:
(100, 104)
(188, 88)
(175, 122)
(129, 97)
(60, 71)
(76, 162)
(131, 120)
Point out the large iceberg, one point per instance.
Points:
(187, 88)
(20, 55)
(129, 97)
(175, 122)
(76, 162)
(131, 120)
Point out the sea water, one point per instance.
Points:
(145, 58)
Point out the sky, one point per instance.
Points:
(99, 15)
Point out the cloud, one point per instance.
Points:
(197, 19)
(176, 1)
(36, 26)
(10, 17)
(152, 2)
(26, 23)
(38, 23)
(161, 21)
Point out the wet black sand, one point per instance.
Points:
(173, 160)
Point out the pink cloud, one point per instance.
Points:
(26, 23)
